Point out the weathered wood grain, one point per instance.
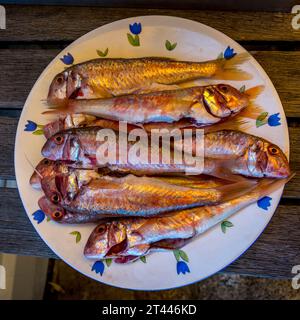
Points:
(17, 235)
(8, 128)
(273, 255)
(21, 67)
(275, 252)
(64, 23)
(283, 69)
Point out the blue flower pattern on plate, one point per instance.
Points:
(30, 126)
(67, 59)
(39, 216)
(98, 267)
(182, 267)
(274, 120)
(264, 203)
(229, 53)
(135, 28)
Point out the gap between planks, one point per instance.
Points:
(57, 22)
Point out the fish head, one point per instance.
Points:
(65, 85)
(277, 164)
(53, 127)
(51, 189)
(58, 89)
(267, 160)
(62, 146)
(53, 211)
(108, 239)
(214, 102)
(235, 100)
(44, 168)
(60, 187)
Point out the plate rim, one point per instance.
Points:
(107, 26)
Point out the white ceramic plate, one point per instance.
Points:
(210, 252)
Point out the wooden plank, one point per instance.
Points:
(20, 68)
(254, 5)
(17, 234)
(283, 69)
(61, 23)
(273, 255)
(277, 249)
(8, 129)
(20, 71)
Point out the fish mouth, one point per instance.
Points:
(235, 101)
(277, 169)
(53, 151)
(108, 240)
(35, 181)
(57, 93)
(112, 252)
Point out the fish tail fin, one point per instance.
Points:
(228, 68)
(59, 110)
(253, 188)
(237, 189)
(238, 123)
(252, 111)
(267, 186)
(254, 92)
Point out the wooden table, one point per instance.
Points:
(35, 34)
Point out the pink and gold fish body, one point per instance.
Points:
(108, 196)
(102, 78)
(201, 106)
(233, 151)
(128, 239)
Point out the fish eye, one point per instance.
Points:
(59, 80)
(223, 88)
(46, 162)
(101, 229)
(55, 198)
(273, 150)
(59, 139)
(57, 214)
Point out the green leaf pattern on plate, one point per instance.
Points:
(262, 119)
(102, 54)
(170, 46)
(242, 89)
(226, 224)
(143, 259)
(133, 40)
(108, 262)
(77, 234)
(180, 254)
